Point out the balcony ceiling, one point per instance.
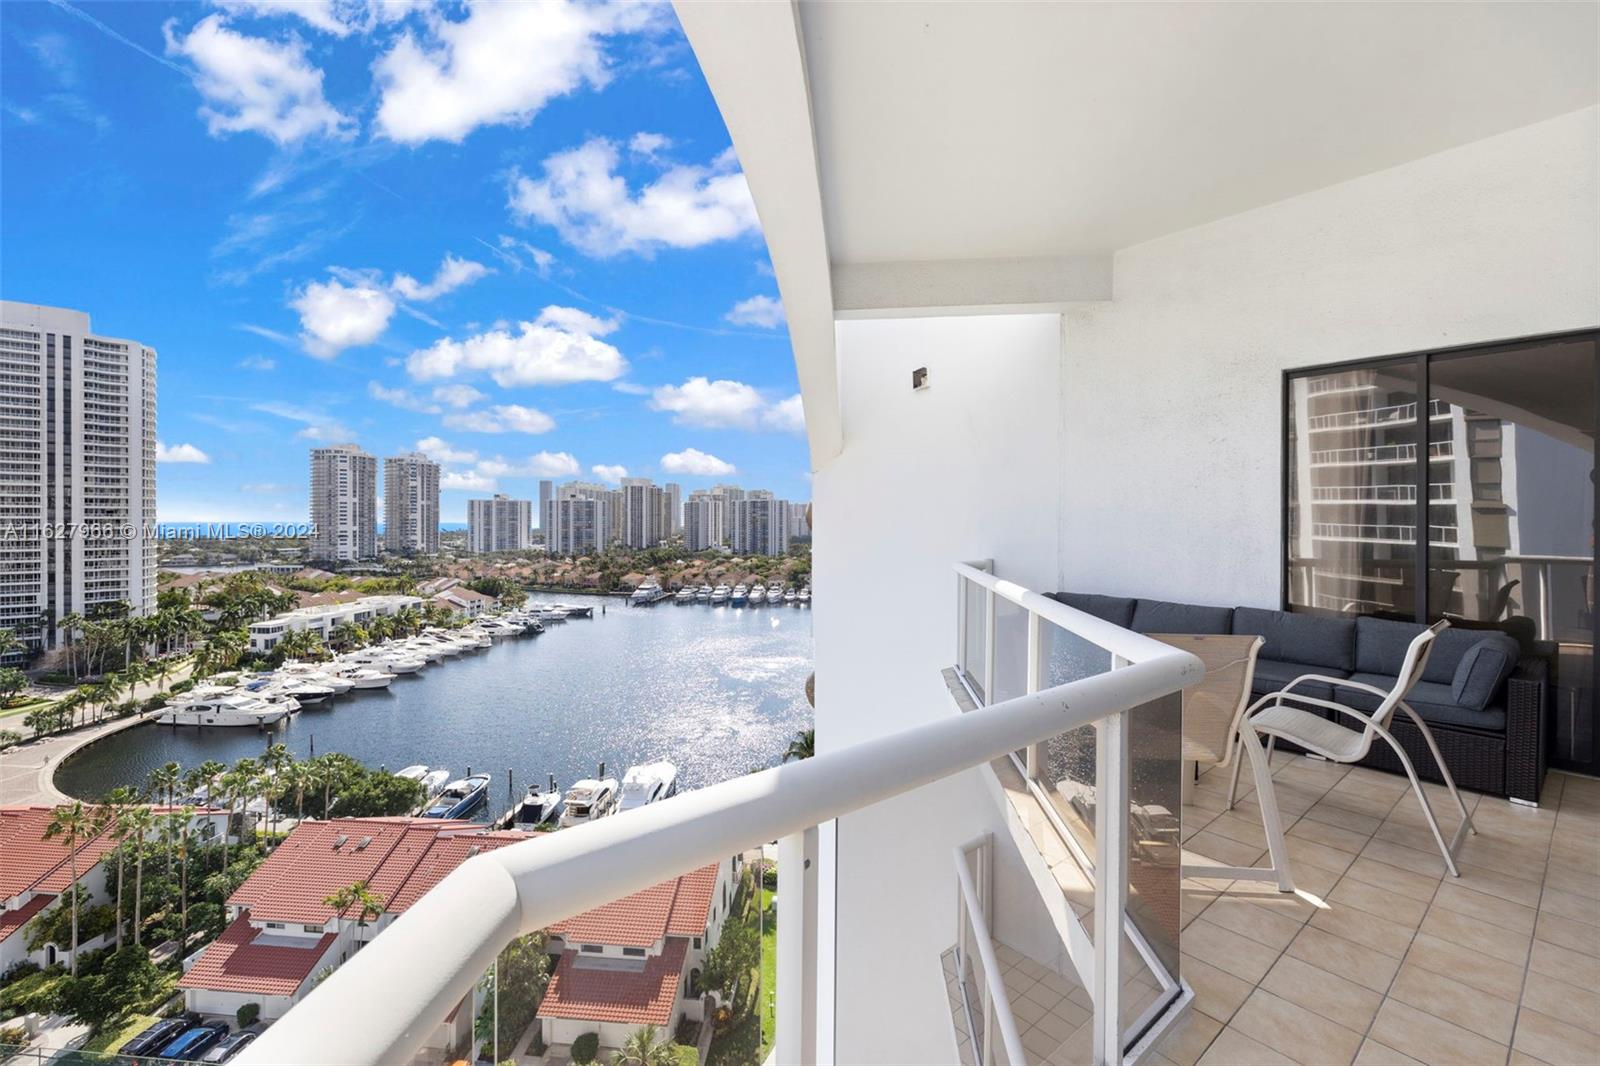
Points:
(963, 131)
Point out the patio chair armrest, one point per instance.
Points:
(1337, 682)
(1325, 704)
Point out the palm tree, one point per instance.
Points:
(164, 781)
(137, 822)
(178, 823)
(644, 1048)
(331, 771)
(69, 625)
(276, 761)
(8, 642)
(116, 804)
(235, 785)
(803, 746)
(355, 895)
(74, 824)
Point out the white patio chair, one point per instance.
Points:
(1276, 715)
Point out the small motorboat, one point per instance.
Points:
(539, 807)
(646, 784)
(433, 781)
(684, 595)
(805, 596)
(459, 798)
(791, 597)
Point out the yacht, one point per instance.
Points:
(232, 709)
(304, 690)
(790, 597)
(433, 781)
(720, 594)
(589, 800)
(396, 661)
(703, 594)
(549, 612)
(647, 783)
(805, 596)
(317, 672)
(459, 797)
(740, 596)
(538, 807)
(363, 676)
(758, 595)
(649, 591)
(474, 637)
(578, 610)
(685, 595)
(774, 593)
(430, 651)
(413, 773)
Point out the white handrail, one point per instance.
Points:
(998, 1000)
(381, 1004)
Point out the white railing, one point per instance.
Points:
(384, 1002)
(974, 897)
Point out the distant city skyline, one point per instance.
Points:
(354, 269)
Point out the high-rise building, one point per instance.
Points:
(799, 525)
(570, 529)
(78, 455)
(759, 525)
(546, 494)
(674, 495)
(411, 504)
(344, 504)
(704, 521)
(645, 522)
(500, 524)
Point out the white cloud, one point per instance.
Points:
(258, 362)
(696, 463)
(632, 388)
(315, 425)
(763, 311)
(401, 398)
(335, 316)
(441, 451)
(269, 334)
(539, 464)
(452, 274)
(507, 251)
(502, 418)
(788, 415)
(469, 479)
(591, 206)
(499, 65)
(717, 404)
(560, 347)
(254, 84)
(649, 145)
(180, 453)
(609, 472)
(319, 14)
(457, 395)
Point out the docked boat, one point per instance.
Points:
(789, 597)
(646, 784)
(805, 596)
(304, 691)
(720, 594)
(549, 612)
(316, 672)
(649, 591)
(539, 807)
(774, 593)
(363, 676)
(579, 610)
(460, 798)
(232, 709)
(433, 781)
(684, 595)
(740, 596)
(589, 800)
(758, 595)
(413, 773)
(703, 594)
(393, 662)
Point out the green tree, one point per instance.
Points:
(803, 746)
(73, 824)
(355, 896)
(12, 680)
(729, 964)
(138, 821)
(124, 982)
(116, 804)
(645, 1047)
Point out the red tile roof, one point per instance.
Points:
(29, 861)
(679, 907)
(12, 920)
(235, 962)
(604, 993)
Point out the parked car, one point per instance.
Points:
(230, 1046)
(192, 1043)
(156, 1036)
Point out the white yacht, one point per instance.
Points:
(684, 595)
(740, 596)
(232, 709)
(790, 597)
(363, 676)
(433, 781)
(304, 690)
(805, 596)
(317, 672)
(647, 783)
(758, 595)
(774, 593)
(589, 800)
(703, 594)
(720, 594)
(649, 591)
(397, 661)
(430, 651)
(538, 807)
(413, 773)
(549, 612)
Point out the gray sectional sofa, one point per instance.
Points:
(1481, 695)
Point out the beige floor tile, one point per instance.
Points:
(1373, 1053)
(1571, 906)
(1468, 931)
(1428, 864)
(1444, 997)
(1254, 921)
(1233, 1048)
(1332, 836)
(1217, 993)
(1526, 860)
(1058, 1026)
(1372, 806)
(1354, 892)
(1208, 847)
(1457, 897)
(1431, 1040)
(1522, 1058)
(1572, 879)
(1235, 826)
(1515, 889)
(1564, 964)
(1332, 814)
(1564, 1002)
(1304, 852)
(1295, 1032)
(1554, 1041)
(1039, 1044)
(1188, 1040)
(1229, 951)
(1321, 992)
(1380, 934)
(1393, 879)
(1498, 978)
(1027, 1011)
(1567, 933)
(1347, 959)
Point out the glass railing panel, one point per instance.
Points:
(974, 644)
(1065, 763)
(1010, 651)
(1155, 874)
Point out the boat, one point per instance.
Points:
(805, 596)
(589, 800)
(433, 781)
(430, 651)
(774, 593)
(646, 784)
(649, 591)
(579, 610)
(790, 597)
(459, 798)
(758, 595)
(393, 662)
(740, 596)
(703, 594)
(685, 595)
(720, 594)
(362, 676)
(538, 807)
(318, 673)
(549, 612)
(413, 773)
(232, 709)
(304, 690)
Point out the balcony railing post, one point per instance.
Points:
(796, 1038)
(1035, 681)
(1110, 882)
(988, 645)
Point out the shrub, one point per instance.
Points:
(585, 1048)
(155, 703)
(181, 687)
(15, 1036)
(248, 1015)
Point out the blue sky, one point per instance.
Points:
(515, 234)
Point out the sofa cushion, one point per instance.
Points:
(1430, 699)
(1272, 674)
(1162, 616)
(1301, 638)
(1483, 670)
(1118, 610)
(1381, 644)
(1451, 646)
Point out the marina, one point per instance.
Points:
(713, 693)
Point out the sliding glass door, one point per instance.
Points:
(1456, 485)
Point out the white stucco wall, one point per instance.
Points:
(966, 469)
(1171, 416)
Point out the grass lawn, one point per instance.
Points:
(24, 707)
(769, 973)
(114, 1036)
(749, 1040)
